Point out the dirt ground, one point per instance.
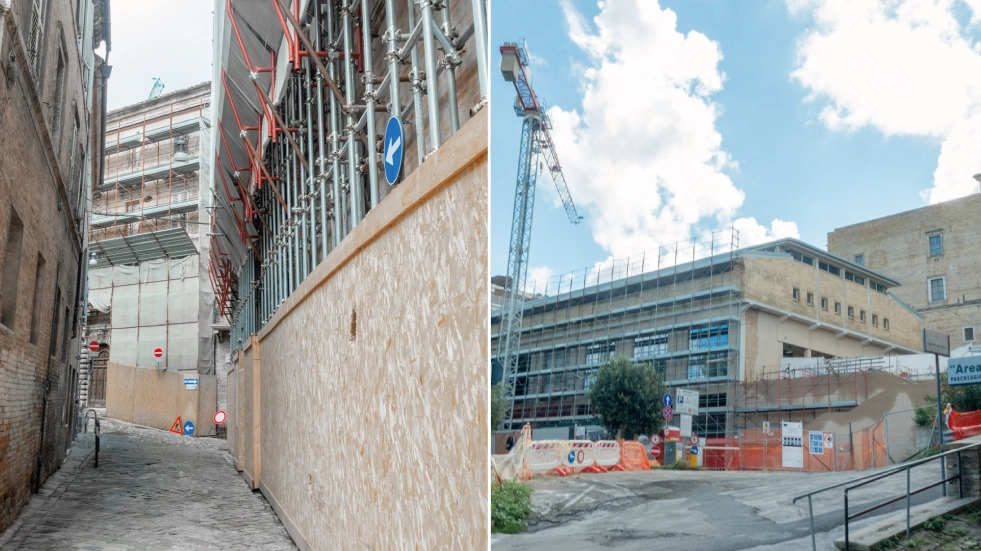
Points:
(950, 533)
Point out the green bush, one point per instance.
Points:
(510, 506)
(935, 524)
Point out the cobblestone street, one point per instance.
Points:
(153, 490)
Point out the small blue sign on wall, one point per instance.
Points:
(393, 150)
(188, 428)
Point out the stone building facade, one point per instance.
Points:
(935, 253)
(48, 102)
(708, 325)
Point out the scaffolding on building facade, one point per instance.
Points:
(674, 307)
(304, 88)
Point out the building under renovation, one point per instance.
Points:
(52, 100)
(349, 254)
(149, 287)
(933, 251)
(712, 317)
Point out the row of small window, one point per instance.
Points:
(835, 271)
(851, 309)
(935, 241)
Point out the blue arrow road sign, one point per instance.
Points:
(668, 401)
(572, 456)
(188, 428)
(694, 450)
(393, 150)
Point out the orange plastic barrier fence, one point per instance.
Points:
(633, 457)
(964, 424)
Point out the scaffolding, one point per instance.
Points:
(674, 307)
(305, 90)
(149, 280)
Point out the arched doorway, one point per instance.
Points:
(97, 379)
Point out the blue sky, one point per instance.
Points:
(813, 113)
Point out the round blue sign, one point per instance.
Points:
(393, 150)
(668, 400)
(188, 428)
(572, 456)
(694, 450)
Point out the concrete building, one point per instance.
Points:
(50, 138)
(714, 323)
(148, 280)
(935, 253)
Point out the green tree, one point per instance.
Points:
(627, 397)
(499, 404)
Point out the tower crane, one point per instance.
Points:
(536, 146)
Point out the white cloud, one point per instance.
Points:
(538, 279)
(752, 232)
(643, 157)
(904, 67)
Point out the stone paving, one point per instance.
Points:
(153, 490)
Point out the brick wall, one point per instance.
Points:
(898, 246)
(35, 184)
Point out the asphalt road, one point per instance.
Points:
(698, 510)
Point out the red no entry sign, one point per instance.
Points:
(94, 346)
(158, 353)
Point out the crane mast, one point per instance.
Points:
(536, 146)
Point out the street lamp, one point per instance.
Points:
(180, 150)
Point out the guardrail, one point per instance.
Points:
(868, 479)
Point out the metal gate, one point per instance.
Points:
(97, 380)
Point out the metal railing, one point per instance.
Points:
(868, 479)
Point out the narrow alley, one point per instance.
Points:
(152, 490)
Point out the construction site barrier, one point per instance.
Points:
(633, 457)
(578, 454)
(607, 453)
(964, 424)
(544, 455)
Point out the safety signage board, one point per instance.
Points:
(190, 383)
(176, 427)
(668, 400)
(687, 402)
(793, 444)
(766, 426)
(158, 352)
(685, 426)
(964, 371)
(667, 413)
(393, 150)
(829, 440)
(816, 443)
(219, 417)
(188, 428)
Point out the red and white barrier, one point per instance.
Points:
(544, 455)
(578, 454)
(607, 453)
